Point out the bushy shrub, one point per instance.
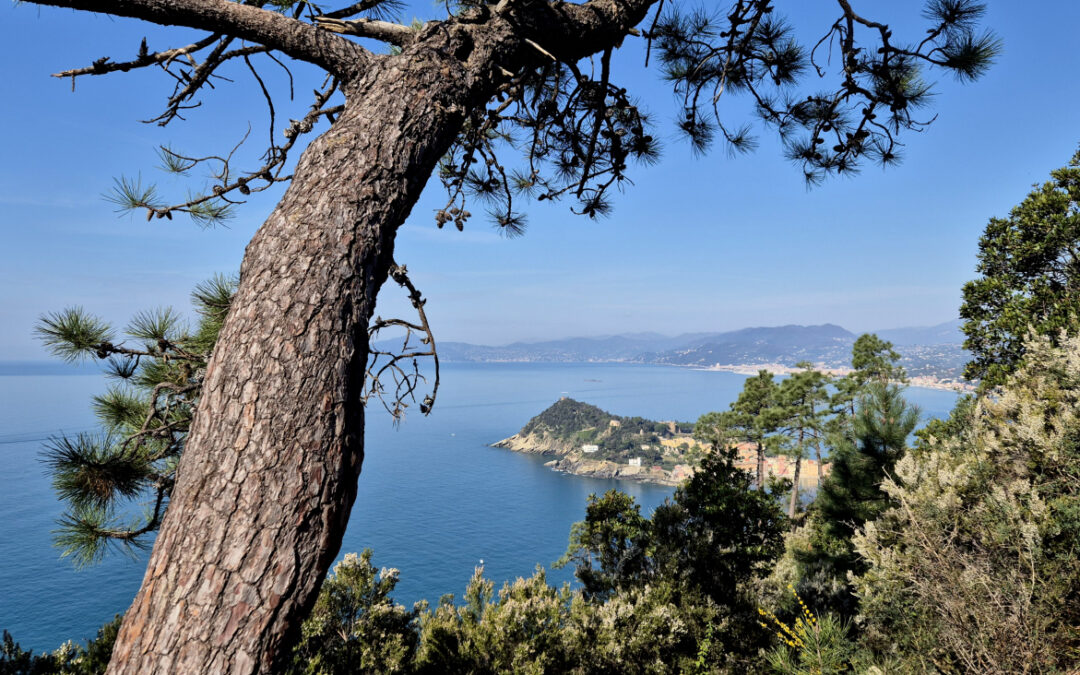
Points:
(975, 569)
(355, 626)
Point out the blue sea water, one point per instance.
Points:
(434, 498)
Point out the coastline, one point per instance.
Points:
(919, 381)
(566, 460)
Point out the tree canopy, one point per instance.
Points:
(1029, 267)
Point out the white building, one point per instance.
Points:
(590, 448)
(635, 461)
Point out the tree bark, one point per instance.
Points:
(792, 506)
(760, 466)
(269, 473)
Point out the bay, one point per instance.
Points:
(434, 499)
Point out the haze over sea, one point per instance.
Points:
(434, 499)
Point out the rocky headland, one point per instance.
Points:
(584, 440)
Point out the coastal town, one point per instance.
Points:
(922, 381)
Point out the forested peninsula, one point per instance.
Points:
(584, 440)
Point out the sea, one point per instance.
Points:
(435, 500)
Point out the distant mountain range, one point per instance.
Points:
(930, 350)
(935, 351)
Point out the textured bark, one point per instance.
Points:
(269, 472)
(794, 503)
(760, 466)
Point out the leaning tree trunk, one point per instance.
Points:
(269, 473)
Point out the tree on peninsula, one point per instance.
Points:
(268, 472)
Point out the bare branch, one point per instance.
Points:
(299, 40)
(104, 66)
(387, 365)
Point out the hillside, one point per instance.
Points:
(828, 343)
(588, 441)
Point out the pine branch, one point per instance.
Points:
(73, 334)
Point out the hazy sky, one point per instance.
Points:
(698, 243)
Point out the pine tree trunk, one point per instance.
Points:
(795, 489)
(760, 466)
(269, 473)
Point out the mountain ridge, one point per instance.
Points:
(935, 351)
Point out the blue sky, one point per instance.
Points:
(698, 243)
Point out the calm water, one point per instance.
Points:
(434, 499)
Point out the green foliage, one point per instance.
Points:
(974, 569)
(703, 547)
(14, 660)
(128, 194)
(94, 656)
(824, 647)
(875, 359)
(94, 472)
(69, 659)
(566, 417)
(809, 645)
(700, 538)
(872, 359)
(571, 423)
(523, 630)
(355, 626)
(750, 419)
(73, 335)
(1029, 267)
(610, 549)
(145, 417)
(799, 419)
(851, 496)
(155, 325)
(531, 627)
(716, 533)
(956, 425)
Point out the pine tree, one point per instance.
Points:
(750, 419)
(872, 360)
(269, 470)
(800, 421)
(851, 495)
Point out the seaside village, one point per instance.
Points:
(680, 442)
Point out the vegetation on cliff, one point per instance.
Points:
(573, 428)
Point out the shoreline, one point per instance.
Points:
(919, 381)
(562, 458)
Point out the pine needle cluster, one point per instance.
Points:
(117, 482)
